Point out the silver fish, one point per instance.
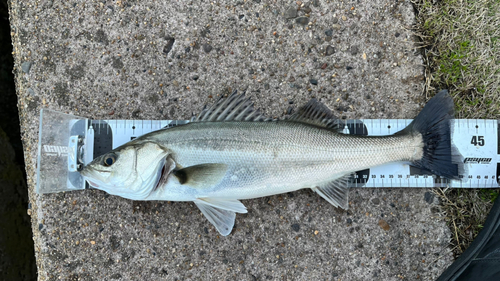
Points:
(231, 152)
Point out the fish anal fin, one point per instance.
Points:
(316, 113)
(220, 212)
(335, 192)
(201, 176)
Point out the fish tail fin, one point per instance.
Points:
(439, 154)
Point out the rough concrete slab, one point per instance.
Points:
(164, 60)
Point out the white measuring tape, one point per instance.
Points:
(477, 140)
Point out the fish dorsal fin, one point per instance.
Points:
(335, 192)
(220, 212)
(201, 176)
(316, 113)
(236, 107)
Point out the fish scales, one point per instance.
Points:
(278, 157)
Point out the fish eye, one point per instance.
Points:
(109, 159)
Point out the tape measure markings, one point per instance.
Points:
(474, 138)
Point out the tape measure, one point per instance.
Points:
(80, 140)
(475, 139)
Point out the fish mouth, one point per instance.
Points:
(88, 174)
(86, 170)
(92, 184)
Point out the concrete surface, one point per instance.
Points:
(164, 60)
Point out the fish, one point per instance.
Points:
(232, 152)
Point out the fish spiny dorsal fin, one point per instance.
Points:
(316, 113)
(236, 107)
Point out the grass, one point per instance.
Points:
(460, 41)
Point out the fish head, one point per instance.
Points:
(131, 171)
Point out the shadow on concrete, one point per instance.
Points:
(17, 258)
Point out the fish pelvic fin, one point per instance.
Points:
(440, 156)
(335, 192)
(220, 212)
(225, 204)
(316, 113)
(236, 107)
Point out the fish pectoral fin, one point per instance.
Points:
(335, 192)
(220, 212)
(201, 176)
